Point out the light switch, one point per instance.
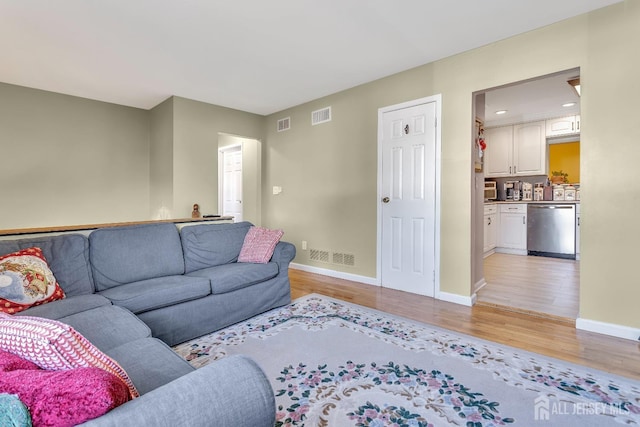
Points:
(277, 189)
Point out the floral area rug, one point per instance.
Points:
(332, 363)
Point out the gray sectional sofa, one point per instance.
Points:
(134, 291)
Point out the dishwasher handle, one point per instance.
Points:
(551, 206)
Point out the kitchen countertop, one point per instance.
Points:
(509, 202)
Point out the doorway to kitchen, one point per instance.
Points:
(528, 134)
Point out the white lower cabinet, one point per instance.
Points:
(512, 237)
(491, 225)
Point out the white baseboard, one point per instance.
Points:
(337, 274)
(457, 299)
(512, 251)
(444, 296)
(611, 329)
(479, 285)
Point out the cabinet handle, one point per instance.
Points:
(573, 126)
(514, 169)
(524, 220)
(489, 221)
(578, 125)
(509, 170)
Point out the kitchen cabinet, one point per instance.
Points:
(512, 237)
(563, 126)
(516, 150)
(490, 229)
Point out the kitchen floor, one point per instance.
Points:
(530, 284)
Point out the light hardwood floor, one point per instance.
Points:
(545, 336)
(532, 284)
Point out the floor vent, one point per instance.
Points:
(321, 116)
(343, 259)
(318, 255)
(284, 124)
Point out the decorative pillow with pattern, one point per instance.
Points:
(26, 280)
(53, 345)
(259, 244)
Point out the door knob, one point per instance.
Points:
(385, 200)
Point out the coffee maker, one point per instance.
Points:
(512, 190)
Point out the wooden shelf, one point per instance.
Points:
(64, 228)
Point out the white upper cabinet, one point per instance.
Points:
(516, 150)
(563, 126)
(498, 160)
(529, 149)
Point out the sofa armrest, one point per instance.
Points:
(283, 254)
(230, 392)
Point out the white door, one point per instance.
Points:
(408, 199)
(232, 183)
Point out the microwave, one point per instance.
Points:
(490, 190)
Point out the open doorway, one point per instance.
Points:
(531, 130)
(231, 182)
(239, 177)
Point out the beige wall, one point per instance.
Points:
(328, 172)
(609, 144)
(161, 161)
(67, 160)
(195, 151)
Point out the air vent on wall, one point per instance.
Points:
(321, 116)
(344, 259)
(284, 124)
(318, 255)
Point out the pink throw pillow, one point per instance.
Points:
(259, 244)
(53, 345)
(65, 398)
(26, 280)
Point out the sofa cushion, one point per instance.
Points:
(122, 255)
(259, 244)
(67, 256)
(157, 293)
(209, 245)
(66, 307)
(230, 277)
(26, 281)
(53, 345)
(108, 326)
(150, 363)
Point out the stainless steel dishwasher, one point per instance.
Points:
(551, 230)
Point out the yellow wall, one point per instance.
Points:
(565, 157)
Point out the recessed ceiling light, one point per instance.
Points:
(501, 111)
(569, 104)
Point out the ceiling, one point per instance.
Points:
(253, 55)
(535, 99)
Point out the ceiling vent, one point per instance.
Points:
(284, 124)
(321, 116)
